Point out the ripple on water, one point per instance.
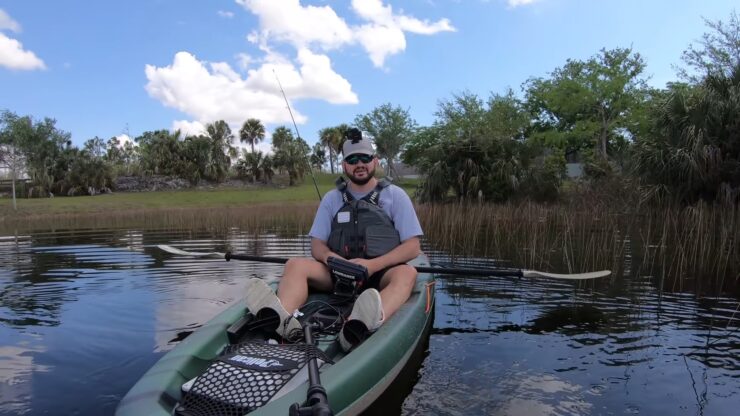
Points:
(84, 313)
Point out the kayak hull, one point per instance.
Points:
(353, 382)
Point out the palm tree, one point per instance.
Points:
(222, 151)
(252, 132)
(332, 138)
(293, 157)
(280, 137)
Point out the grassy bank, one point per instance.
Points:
(682, 248)
(196, 198)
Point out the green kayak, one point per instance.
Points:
(353, 381)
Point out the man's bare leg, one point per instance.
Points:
(396, 286)
(298, 275)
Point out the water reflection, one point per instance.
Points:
(83, 314)
(505, 346)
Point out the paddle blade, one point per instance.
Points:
(173, 250)
(574, 276)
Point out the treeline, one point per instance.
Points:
(679, 143)
(54, 166)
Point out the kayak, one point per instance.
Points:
(353, 381)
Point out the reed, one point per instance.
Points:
(681, 248)
(254, 218)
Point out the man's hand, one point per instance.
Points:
(369, 264)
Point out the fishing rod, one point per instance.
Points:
(502, 272)
(296, 131)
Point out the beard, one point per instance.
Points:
(361, 181)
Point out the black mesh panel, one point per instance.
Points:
(229, 389)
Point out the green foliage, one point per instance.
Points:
(331, 138)
(318, 156)
(205, 156)
(718, 52)
(281, 136)
(252, 132)
(588, 104)
(220, 152)
(124, 157)
(87, 174)
(694, 149)
(541, 180)
(391, 128)
(476, 151)
(293, 157)
(255, 166)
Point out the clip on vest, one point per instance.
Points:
(348, 277)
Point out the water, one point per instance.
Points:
(83, 314)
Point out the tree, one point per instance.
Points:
(195, 158)
(318, 156)
(252, 132)
(391, 127)
(293, 157)
(251, 166)
(331, 138)
(281, 136)
(693, 151)
(587, 104)
(718, 52)
(44, 148)
(160, 152)
(96, 147)
(221, 150)
(12, 159)
(476, 150)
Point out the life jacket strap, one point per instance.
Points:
(373, 197)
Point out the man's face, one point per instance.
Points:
(360, 168)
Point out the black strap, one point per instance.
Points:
(373, 197)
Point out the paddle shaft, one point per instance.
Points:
(317, 401)
(421, 269)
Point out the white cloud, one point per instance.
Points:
(288, 21)
(244, 60)
(7, 22)
(13, 56)
(381, 41)
(384, 36)
(123, 139)
(517, 3)
(214, 91)
(225, 14)
(381, 35)
(188, 128)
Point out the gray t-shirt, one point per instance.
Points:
(393, 200)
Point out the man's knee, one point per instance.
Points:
(401, 276)
(307, 269)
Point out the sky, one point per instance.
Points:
(112, 68)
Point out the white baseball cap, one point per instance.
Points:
(357, 142)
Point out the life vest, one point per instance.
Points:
(361, 229)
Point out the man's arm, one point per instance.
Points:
(320, 251)
(406, 251)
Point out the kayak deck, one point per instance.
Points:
(352, 383)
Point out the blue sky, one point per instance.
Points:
(105, 68)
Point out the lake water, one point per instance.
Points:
(83, 314)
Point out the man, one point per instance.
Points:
(391, 279)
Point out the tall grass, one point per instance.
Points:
(257, 217)
(682, 248)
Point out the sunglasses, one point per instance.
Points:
(354, 159)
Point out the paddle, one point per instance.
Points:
(317, 401)
(438, 270)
